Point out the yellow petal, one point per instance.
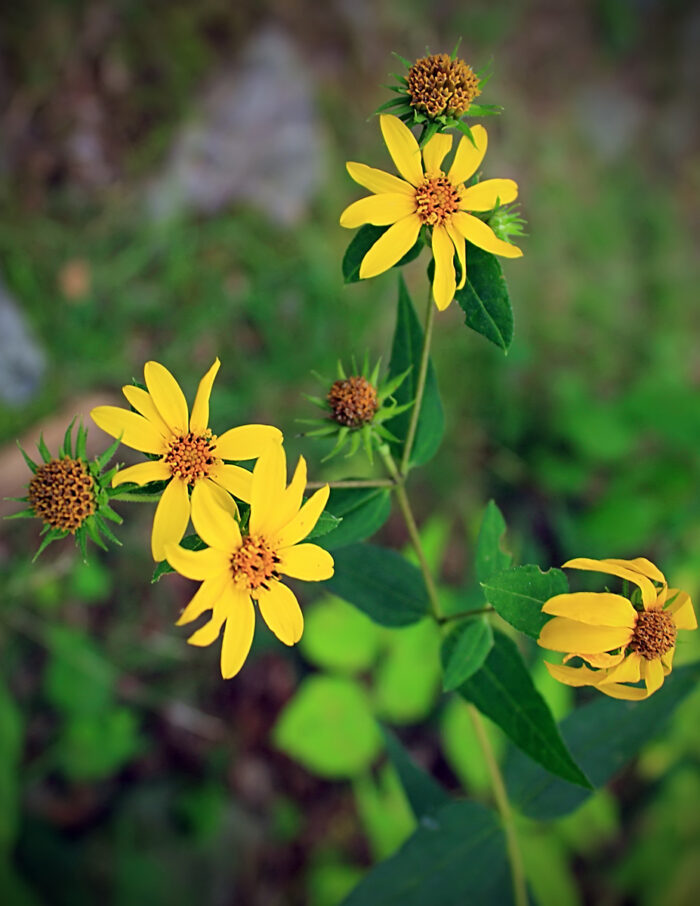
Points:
(214, 518)
(290, 502)
(403, 148)
(468, 157)
(306, 561)
(573, 676)
(269, 483)
(458, 242)
(434, 153)
(597, 608)
(141, 401)
(562, 634)
(390, 247)
(378, 210)
(601, 660)
(681, 609)
(629, 671)
(653, 675)
(154, 470)
(305, 519)
(627, 693)
(481, 234)
(640, 565)
(205, 598)
(622, 572)
(667, 660)
(235, 479)
(238, 634)
(171, 517)
(135, 431)
(280, 610)
(199, 420)
(377, 180)
(199, 565)
(487, 194)
(246, 441)
(167, 396)
(209, 633)
(444, 280)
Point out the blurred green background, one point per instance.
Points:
(171, 176)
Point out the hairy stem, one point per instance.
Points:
(420, 385)
(353, 483)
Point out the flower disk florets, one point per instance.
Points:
(62, 493)
(254, 564)
(654, 634)
(191, 456)
(436, 199)
(353, 401)
(437, 84)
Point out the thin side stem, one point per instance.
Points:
(466, 613)
(353, 483)
(501, 797)
(420, 385)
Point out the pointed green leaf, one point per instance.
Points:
(464, 651)
(519, 593)
(363, 512)
(362, 242)
(105, 457)
(490, 556)
(29, 461)
(67, 446)
(484, 298)
(43, 449)
(425, 795)
(326, 523)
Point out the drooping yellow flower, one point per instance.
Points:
(237, 569)
(191, 458)
(622, 643)
(427, 196)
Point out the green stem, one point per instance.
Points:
(353, 483)
(420, 385)
(501, 797)
(466, 613)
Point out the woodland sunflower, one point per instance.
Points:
(240, 567)
(427, 196)
(623, 640)
(190, 457)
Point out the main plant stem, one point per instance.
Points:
(420, 386)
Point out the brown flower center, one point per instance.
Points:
(191, 456)
(654, 634)
(62, 493)
(437, 84)
(436, 199)
(254, 563)
(353, 401)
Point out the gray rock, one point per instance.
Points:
(22, 361)
(255, 138)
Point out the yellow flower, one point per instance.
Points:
(621, 642)
(236, 569)
(190, 456)
(427, 196)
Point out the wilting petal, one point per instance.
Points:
(171, 517)
(141, 401)
(135, 431)
(403, 148)
(622, 572)
(167, 396)
(214, 518)
(434, 153)
(238, 634)
(681, 609)
(289, 503)
(199, 420)
(444, 281)
(629, 671)
(205, 598)
(562, 634)
(142, 473)
(667, 660)
(269, 483)
(627, 693)
(468, 156)
(305, 519)
(481, 234)
(458, 242)
(246, 441)
(306, 561)
(596, 608)
(280, 610)
(377, 180)
(378, 210)
(199, 565)
(640, 565)
(487, 194)
(391, 247)
(601, 659)
(653, 675)
(235, 479)
(573, 676)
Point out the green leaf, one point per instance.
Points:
(458, 856)
(484, 298)
(337, 636)
(406, 353)
(380, 582)
(11, 734)
(603, 736)
(490, 556)
(329, 728)
(519, 593)
(407, 680)
(362, 242)
(327, 522)
(384, 811)
(98, 745)
(363, 512)
(192, 542)
(78, 679)
(503, 690)
(464, 651)
(425, 795)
